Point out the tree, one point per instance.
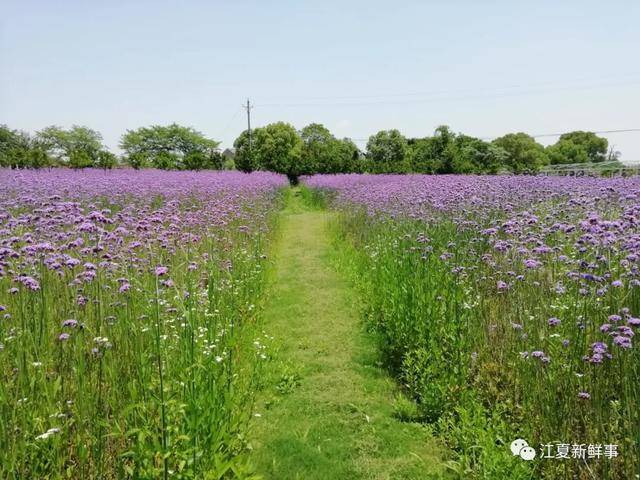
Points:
(420, 155)
(165, 160)
(19, 150)
(80, 159)
(106, 160)
(443, 153)
(244, 159)
(167, 147)
(194, 161)
(477, 156)
(318, 149)
(137, 160)
(578, 147)
(613, 155)
(14, 146)
(387, 151)
(227, 158)
(494, 158)
(37, 157)
(348, 157)
(215, 160)
(444, 150)
(524, 154)
(324, 153)
(201, 160)
(83, 143)
(228, 163)
(278, 148)
(566, 152)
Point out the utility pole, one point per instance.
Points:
(248, 108)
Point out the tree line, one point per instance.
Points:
(171, 147)
(281, 148)
(76, 147)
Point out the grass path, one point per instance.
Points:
(327, 407)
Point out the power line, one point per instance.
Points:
(448, 92)
(445, 98)
(233, 117)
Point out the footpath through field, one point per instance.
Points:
(326, 411)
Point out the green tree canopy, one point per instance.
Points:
(19, 150)
(14, 146)
(169, 147)
(387, 152)
(420, 155)
(200, 161)
(445, 150)
(314, 149)
(319, 149)
(348, 157)
(278, 148)
(524, 154)
(106, 160)
(477, 156)
(244, 158)
(324, 153)
(81, 143)
(566, 152)
(80, 159)
(578, 147)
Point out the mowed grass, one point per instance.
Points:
(327, 406)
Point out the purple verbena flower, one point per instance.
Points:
(622, 341)
(160, 271)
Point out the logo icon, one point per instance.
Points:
(521, 448)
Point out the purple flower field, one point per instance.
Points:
(509, 307)
(130, 344)
(125, 301)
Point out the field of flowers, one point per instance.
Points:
(508, 308)
(127, 338)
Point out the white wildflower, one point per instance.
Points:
(48, 433)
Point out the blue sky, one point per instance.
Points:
(484, 68)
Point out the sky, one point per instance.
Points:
(485, 68)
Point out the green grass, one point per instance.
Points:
(327, 409)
